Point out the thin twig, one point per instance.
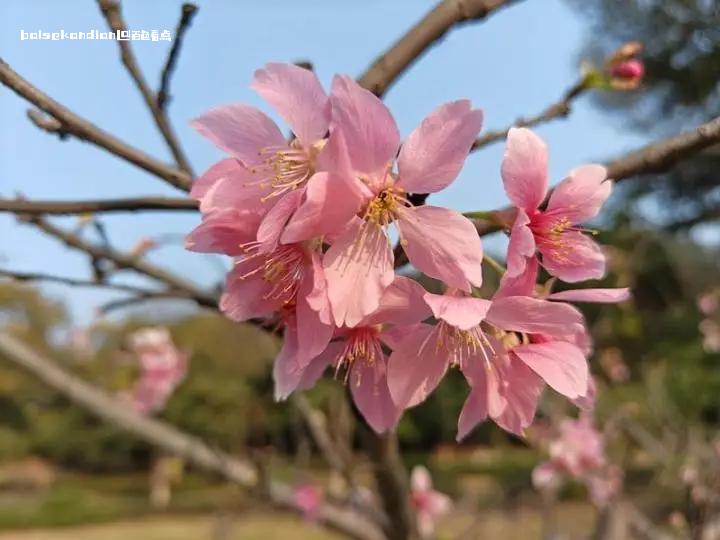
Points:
(82, 129)
(172, 440)
(186, 17)
(121, 303)
(559, 109)
(137, 204)
(113, 15)
(125, 261)
(443, 17)
(75, 282)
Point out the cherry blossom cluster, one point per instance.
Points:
(578, 452)
(162, 368)
(307, 222)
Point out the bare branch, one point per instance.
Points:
(77, 126)
(559, 109)
(443, 17)
(113, 15)
(186, 17)
(173, 440)
(22, 206)
(139, 299)
(75, 282)
(125, 261)
(47, 123)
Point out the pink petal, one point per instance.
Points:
(524, 169)
(368, 385)
(289, 376)
(521, 247)
(534, 316)
(237, 190)
(603, 296)
(330, 203)
(520, 285)
(317, 297)
(313, 334)
(521, 395)
(297, 95)
(273, 224)
(432, 156)
(358, 268)
(474, 411)
(219, 170)
(580, 196)
(420, 479)
(587, 401)
(463, 312)
(224, 231)
(561, 364)
(402, 303)
(546, 476)
(416, 367)
(442, 244)
(578, 258)
(245, 299)
(393, 336)
(240, 130)
(366, 123)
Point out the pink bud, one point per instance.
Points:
(630, 70)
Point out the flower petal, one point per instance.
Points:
(580, 196)
(524, 169)
(273, 224)
(432, 156)
(287, 373)
(463, 312)
(358, 268)
(415, 368)
(474, 411)
(245, 297)
(562, 365)
(521, 247)
(578, 258)
(224, 231)
(368, 385)
(534, 316)
(521, 395)
(313, 334)
(297, 95)
(240, 130)
(366, 123)
(520, 285)
(602, 296)
(236, 188)
(219, 170)
(442, 244)
(402, 303)
(331, 201)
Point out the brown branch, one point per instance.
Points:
(80, 128)
(47, 123)
(75, 282)
(559, 109)
(22, 206)
(113, 15)
(172, 440)
(125, 261)
(443, 17)
(186, 17)
(139, 299)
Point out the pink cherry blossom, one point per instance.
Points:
(358, 351)
(553, 232)
(308, 498)
(439, 242)
(496, 345)
(430, 505)
(162, 367)
(578, 452)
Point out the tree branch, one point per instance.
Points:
(186, 17)
(23, 206)
(113, 15)
(125, 261)
(173, 440)
(80, 128)
(443, 17)
(559, 109)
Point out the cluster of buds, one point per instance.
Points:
(622, 70)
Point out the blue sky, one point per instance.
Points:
(514, 64)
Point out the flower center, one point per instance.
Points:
(285, 168)
(463, 344)
(382, 209)
(282, 269)
(361, 345)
